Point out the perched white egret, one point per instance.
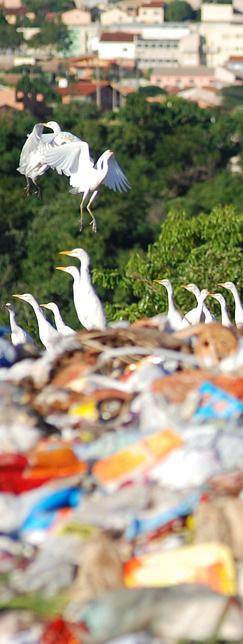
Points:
(224, 313)
(18, 334)
(200, 313)
(230, 286)
(174, 317)
(88, 306)
(74, 272)
(62, 328)
(74, 160)
(93, 315)
(47, 333)
(31, 162)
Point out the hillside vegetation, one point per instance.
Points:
(182, 218)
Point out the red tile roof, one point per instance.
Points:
(117, 36)
(18, 11)
(82, 88)
(153, 4)
(236, 59)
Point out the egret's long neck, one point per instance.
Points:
(200, 303)
(84, 274)
(102, 166)
(12, 319)
(58, 320)
(76, 288)
(224, 314)
(41, 320)
(171, 302)
(238, 305)
(56, 128)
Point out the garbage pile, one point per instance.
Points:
(121, 487)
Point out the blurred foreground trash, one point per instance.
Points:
(121, 487)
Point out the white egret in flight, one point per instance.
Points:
(224, 313)
(62, 328)
(85, 176)
(47, 333)
(199, 313)
(18, 334)
(230, 286)
(174, 317)
(31, 162)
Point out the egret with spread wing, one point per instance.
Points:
(74, 161)
(31, 162)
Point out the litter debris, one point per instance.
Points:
(121, 487)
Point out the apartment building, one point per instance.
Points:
(171, 45)
(221, 40)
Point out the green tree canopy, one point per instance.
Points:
(53, 35)
(179, 11)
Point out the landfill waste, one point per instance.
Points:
(121, 487)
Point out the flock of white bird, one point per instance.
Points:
(70, 156)
(201, 313)
(90, 310)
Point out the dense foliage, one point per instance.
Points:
(182, 218)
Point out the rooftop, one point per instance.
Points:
(82, 88)
(184, 71)
(117, 36)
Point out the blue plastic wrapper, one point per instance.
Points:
(160, 519)
(218, 404)
(43, 513)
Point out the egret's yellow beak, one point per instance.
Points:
(60, 268)
(65, 252)
(44, 306)
(184, 286)
(220, 284)
(158, 281)
(17, 295)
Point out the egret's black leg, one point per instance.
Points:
(27, 187)
(93, 220)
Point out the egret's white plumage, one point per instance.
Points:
(47, 333)
(199, 313)
(230, 286)
(87, 303)
(74, 161)
(62, 328)
(31, 162)
(18, 334)
(174, 317)
(224, 313)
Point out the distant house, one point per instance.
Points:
(8, 99)
(76, 17)
(183, 77)
(212, 12)
(204, 96)
(113, 45)
(115, 16)
(12, 14)
(151, 12)
(102, 93)
(11, 4)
